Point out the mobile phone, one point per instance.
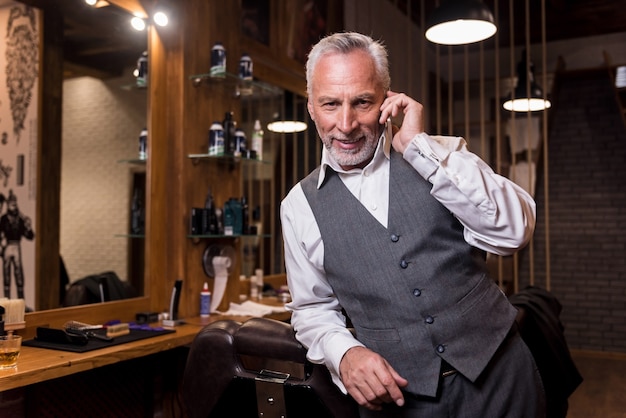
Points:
(389, 127)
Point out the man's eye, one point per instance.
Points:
(329, 105)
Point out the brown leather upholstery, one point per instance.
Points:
(226, 357)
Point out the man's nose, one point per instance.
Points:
(347, 121)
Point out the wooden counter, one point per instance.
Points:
(39, 364)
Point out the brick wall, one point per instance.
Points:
(587, 212)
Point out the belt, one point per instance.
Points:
(447, 369)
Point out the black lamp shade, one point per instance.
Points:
(458, 22)
(526, 98)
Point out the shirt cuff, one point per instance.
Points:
(336, 349)
(421, 156)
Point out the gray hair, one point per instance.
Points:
(344, 43)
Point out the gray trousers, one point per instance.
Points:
(509, 387)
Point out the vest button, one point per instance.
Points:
(441, 348)
(429, 320)
(404, 264)
(417, 292)
(394, 238)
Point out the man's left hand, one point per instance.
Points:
(413, 122)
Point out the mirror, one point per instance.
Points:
(102, 179)
(102, 175)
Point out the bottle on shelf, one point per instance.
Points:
(257, 140)
(218, 61)
(141, 71)
(230, 126)
(211, 216)
(235, 206)
(245, 74)
(245, 221)
(240, 143)
(205, 301)
(143, 144)
(216, 139)
(228, 219)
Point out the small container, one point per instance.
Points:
(143, 144)
(218, 61)
(254, 290)
(205, 301)
(257, 140)
(142, 70)
(245, 67)
(9, 350)
(216, 139)
(240, 143)
(230, 126)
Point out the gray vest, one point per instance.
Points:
(415, 291)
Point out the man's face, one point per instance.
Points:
(345, 104)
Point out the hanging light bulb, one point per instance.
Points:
(286, 126)
(138, 23)
(524, 99)
(458, 22)
(160, 18)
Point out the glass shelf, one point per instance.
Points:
(241, 88)
(229, 158)
(132, 161)
(227, 236)
(129, 236)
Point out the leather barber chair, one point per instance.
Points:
(258, 369)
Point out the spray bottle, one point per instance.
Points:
(257, 140)
(205, 301)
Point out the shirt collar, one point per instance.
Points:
(383, 150)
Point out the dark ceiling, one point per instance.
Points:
(565, 19)
(100, 42)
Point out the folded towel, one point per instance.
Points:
(250, 308)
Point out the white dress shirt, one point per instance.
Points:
(498, 216)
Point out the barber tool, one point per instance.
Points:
(79, 328)
(173, 320)
(59, 336)
(14, 310)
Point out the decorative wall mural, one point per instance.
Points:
(19, 58)
(21, 63)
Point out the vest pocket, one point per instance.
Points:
(383, 334)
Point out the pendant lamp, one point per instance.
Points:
(458, 22)
(287, 126)
(526, 97)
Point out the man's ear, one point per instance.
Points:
(309, 107)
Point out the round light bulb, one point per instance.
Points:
(160, 18)
(138, 23)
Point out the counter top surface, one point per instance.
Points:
(38, 364)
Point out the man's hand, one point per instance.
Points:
(369, 379)
(413, 122)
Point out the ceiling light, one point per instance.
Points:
(287, 126)
(138, 23)
(160, 18)
(458, 22)
(97, 3)
(523, 98)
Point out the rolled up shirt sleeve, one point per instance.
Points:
(497, 214)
